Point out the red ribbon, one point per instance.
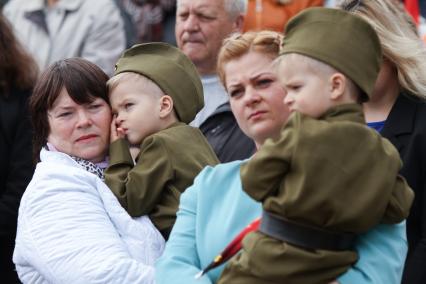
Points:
(232, 248)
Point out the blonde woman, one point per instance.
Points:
(215, 209)
(397, 109)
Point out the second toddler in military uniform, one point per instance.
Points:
(328, 177)
(154, 93)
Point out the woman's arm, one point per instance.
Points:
(66, 236)
(381, 253)
(179, 262)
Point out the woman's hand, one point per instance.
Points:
(334, 282)
(116, 132)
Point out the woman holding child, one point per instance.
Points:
(308, 178)
(71, 228)
(215, 209)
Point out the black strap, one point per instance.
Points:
(304, 236)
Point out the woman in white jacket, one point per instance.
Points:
(71, 228)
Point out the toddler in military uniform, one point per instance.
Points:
(328, 177)
(154, 93)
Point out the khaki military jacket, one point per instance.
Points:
(167, 164)
(333, 172)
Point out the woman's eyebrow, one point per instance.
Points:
(232, 84)
(59, 108)
(257, 75)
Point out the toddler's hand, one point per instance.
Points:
(116, 132)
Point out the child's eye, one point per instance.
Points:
(128, 105)
(294, 87)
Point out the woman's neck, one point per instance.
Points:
(385, 93)
(379, 107)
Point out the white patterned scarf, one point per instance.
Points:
(94, 168)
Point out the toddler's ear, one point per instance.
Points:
(166, 106)
(337, 85)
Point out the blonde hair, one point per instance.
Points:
(147, 84)
(399, 39)
(237, 45)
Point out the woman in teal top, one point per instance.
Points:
(215, 208)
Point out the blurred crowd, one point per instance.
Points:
(34, 34)
(154, 20)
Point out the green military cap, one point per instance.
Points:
(339, 39)
(171, 70)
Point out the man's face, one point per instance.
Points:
(201, 26)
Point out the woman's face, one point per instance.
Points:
(80, 130)
(256, 97)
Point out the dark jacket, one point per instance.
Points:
(225, 136)
(16, 170)
(406, 129)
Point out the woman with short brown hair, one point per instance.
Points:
(71, 228)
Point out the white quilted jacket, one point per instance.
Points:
(71, 229)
